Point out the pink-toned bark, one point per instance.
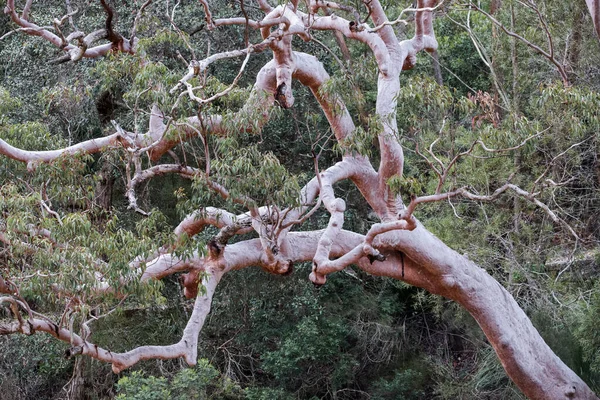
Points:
(261, 98)
(88, 147)
(186, 347)
(594, 7)
(398, 247)
(75, 52)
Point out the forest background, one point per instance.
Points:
(378, 338)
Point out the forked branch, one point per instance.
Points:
(548, 54)
(187, 347)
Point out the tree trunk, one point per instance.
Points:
(594, 7)
(515, 112)
(437, 70)
(104, 187)
(76, 386)
(399, 247)
(498, 110)
(574, 50)
(526, 357)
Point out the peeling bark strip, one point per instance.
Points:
(399, 247)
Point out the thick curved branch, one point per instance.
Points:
(187, 347)
(196, 221)
(87, 147)
(339, 24)
(74, 52)
(392, 156)
(251, 118)
(594, 7)
(424, 38)
(380, 18)
(336, 208)
(32, 28)
(504, 323)
(311, 73)
(399, 19)
(159, 139)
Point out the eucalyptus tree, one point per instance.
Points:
(258, 196)
(594, 7)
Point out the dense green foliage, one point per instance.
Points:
(271, 337)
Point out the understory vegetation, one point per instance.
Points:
(273, 337)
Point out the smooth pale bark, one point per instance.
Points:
(75, 53)
(594, 7)
(399, 247)
(88, 147)
(430, 264)
(528, 360)
(186, 347)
